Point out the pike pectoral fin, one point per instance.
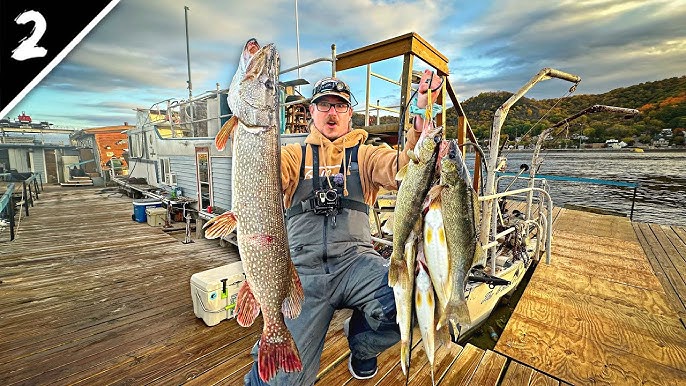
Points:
(292, 305)
(247, 307)
(277, 351)
(220, 226)
(223, 135)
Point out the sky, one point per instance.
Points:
(136, 56)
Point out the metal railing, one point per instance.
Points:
(31, 186)
(7, 208)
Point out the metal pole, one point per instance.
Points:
(367, 95)
(188, 59)
(297, 40)
(633, 202)
(378, 119)
(26, 203)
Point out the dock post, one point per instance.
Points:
(633, 202)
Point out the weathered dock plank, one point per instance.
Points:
(517, 374)
(490, 369)
(464, 367)
(596, 314)
(90, 297)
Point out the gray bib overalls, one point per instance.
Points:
(339, 268)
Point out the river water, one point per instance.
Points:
(661, 175)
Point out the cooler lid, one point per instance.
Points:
(212, 278)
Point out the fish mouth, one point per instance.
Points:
(251, 46)
(452, 151)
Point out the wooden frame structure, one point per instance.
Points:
(409, 46)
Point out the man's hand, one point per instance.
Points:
(429, 78)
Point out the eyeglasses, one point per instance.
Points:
(331, 85)
(326, 106)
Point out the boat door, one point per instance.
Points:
(204, 175)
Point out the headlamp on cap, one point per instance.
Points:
(331, 86)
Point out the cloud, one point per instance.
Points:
(137, 55)
(594, 39)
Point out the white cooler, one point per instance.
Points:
(214, 292)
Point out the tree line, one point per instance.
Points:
(662, 118)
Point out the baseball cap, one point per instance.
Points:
(331, 86)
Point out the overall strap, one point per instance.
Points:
(302, 163)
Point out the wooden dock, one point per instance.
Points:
(90, 297)
(598, 315)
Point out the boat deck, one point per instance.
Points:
(91, 297)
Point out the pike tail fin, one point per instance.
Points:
(292, 304)
(223, 135)
(277, 351)
(220, 226)
(247, 307)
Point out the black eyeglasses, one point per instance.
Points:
(326, 106)
(331, 85)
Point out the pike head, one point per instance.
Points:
(253, 94)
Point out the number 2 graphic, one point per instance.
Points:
(28, 47)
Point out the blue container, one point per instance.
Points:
(139, 207)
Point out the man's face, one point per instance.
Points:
(330, 123)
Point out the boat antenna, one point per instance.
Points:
(297, 42)
(188, 59)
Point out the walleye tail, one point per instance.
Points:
(404, 356)
(247, 307)
(277, 351)
(397, 270)
(220, 226)
(223, 135)
(455, 311)
(292, 304)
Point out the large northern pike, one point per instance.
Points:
(460, 210)
(272, 283)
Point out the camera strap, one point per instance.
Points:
(308, 203)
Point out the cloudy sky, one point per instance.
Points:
(136, 56)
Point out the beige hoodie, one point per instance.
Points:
(377, 163)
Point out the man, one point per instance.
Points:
(329, 185)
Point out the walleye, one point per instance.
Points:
(417, 178)
(436, 252)
(272, 283)
(425, 308)
(403, 291)
(460, 209)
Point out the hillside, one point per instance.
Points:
(662, 105)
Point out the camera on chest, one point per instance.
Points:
(326, 201)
